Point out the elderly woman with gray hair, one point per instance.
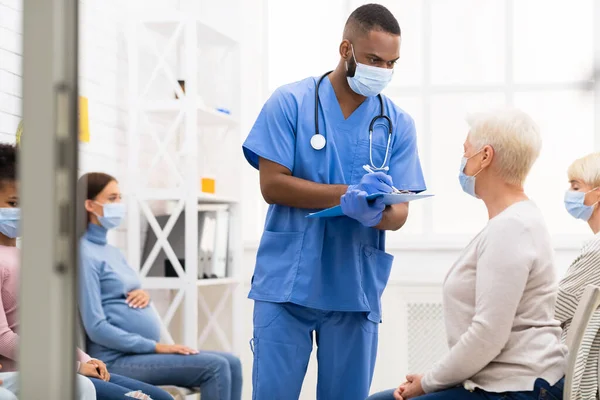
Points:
(499, 296)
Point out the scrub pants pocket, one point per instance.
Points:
(375, 268)
(281, 345)
(275, 370)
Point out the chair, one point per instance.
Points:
(589, 303)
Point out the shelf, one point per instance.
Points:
(206, 116)
(218, 281)
(164, 23)
(179, 283)
(176, 194)
(207, 198)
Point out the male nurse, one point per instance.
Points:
(322, 279)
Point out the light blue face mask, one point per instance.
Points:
(574, 203)
(467, 182)
(113, 215)
(9, 221)
(368, 80)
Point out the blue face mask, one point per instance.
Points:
(574, 203)
(113, 215)
(467, 182)
(9, 222)
(368, 80)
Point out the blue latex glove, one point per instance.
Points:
(355, 205)
(376, 182)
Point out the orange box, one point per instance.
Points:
(208, 185)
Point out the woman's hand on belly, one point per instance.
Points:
(138, 298)
(174, 349)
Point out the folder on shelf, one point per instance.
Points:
(220, 249)
(213, 236)
(388, 199)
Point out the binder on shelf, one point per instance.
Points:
(213, 236)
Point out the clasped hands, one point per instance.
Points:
(410, 389)
(354, 202)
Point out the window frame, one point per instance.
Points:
(426, 90)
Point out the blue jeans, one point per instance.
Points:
(541, 391)
(118, 386)
(218, 375)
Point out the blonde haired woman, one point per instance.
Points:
(581, 201)
(500, 294)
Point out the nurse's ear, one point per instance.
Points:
(345, 50)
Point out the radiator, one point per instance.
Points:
(426, 335)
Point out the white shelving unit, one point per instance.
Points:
(178, 123)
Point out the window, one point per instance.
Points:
(458, 57)
(303, 37)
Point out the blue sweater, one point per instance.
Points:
(112, 327)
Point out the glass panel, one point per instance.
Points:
(468, 41)
(409, 69)
(301, 41)
(566, 121)
(455, 212)
(553, 40)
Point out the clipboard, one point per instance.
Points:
(388, 199)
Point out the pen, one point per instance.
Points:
(370, 170)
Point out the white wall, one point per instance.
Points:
(103, 79)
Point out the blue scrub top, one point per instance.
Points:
(333, 264)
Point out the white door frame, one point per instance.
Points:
(48, 174)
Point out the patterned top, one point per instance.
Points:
(584, 271)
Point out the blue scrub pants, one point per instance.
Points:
(283, 341)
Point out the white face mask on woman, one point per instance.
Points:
(114, 213)
(574, 203)
(467, 182)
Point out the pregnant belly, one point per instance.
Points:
(143, 322)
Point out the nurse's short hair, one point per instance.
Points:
(586, 170)
(370, 17)
(515, 138)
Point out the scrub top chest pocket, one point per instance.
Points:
(378, 152)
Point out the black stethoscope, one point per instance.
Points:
(318, 141)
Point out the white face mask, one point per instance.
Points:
(574, 203)
(368, 80)
(467, 182)
(114, 213)
(9, 222)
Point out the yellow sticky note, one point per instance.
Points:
(19, 132)
(84, 121)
